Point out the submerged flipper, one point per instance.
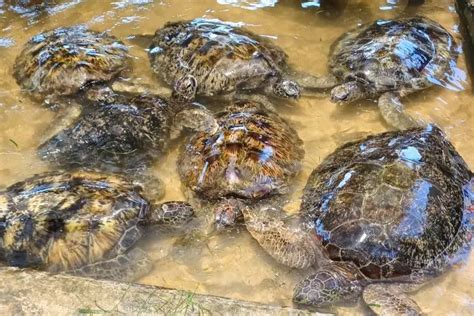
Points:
(332, 283)
(126, 267)
(394, 113)
(287, 239)
(141, 40)
(390, 299)
(309, 81)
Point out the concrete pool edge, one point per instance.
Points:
(32, 292)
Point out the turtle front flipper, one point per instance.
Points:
(309, 81)
(334, 282)
(127, 267)
(394, 113)
(135, 87)
(390, 299)
(66, 113)
(173, 213)
(288, 240)
(259, 98)
(141, 40)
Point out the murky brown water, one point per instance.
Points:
(232, 264)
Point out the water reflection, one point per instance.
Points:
(33, 10)
(249, 5)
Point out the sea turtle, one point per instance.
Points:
(249, 157)
(203, 57)
(71, 61)
(81, 222)
(31, 8)
(380, 215)
(125, 136)
(390, 59)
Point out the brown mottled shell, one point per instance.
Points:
(221, 56)
(62, 221)
(253, 154)
(406, 54)
(64, 60)
(392, 203)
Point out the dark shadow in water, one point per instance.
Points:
(468, 38)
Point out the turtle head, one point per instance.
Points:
(185, 89)
(97, 93)
(347, 92)
(334, 282)
(227, 212)
(286, 89)
(171, 213)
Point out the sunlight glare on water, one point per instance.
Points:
(232, 264)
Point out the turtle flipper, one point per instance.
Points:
(287, 240)
(334, 282)
(390, 299)
(141, 40)
(67, 112)
(393, 112)
(126, 267)
(262, 99)
(154, 186)
(308, 81)
(136, 87)
(171, 213)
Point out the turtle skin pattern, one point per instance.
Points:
(221, 56)
(392, 203)
(404, 55)
(64, 60)
(63, 221)
(252, 155)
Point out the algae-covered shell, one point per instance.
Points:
(65, 60)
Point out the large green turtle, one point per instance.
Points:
(205, 57)
(249, 157)
(389, 59)
(83, 223)
(67, 60)
(381, 216)
(125, 136)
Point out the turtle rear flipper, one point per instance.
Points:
(126, 267)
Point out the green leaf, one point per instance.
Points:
(13, 142)
(375, 305)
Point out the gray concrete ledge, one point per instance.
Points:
(30, 292)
